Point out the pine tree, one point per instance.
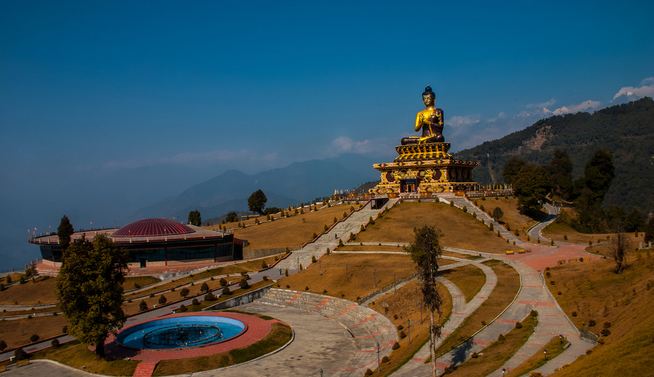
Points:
(425, 251)
(65, 231)
(257, 202)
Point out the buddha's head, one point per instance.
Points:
(428, 97)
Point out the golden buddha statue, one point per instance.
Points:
(429, 120)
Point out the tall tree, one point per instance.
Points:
(560, 171)
(257, 202)
(598, 175)
(194, 218)
(90, 289)
(512, 168)
(649, 229)
(531, 186)
(619, 246)
(65, 231)
(425, 251)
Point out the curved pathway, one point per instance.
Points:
(552, 321)
(460, 311)
(334, 335)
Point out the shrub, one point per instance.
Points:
(533, 313)
(385, 359)
(182, 308)
(591, 323)
(501, 338)
(34, 338)
(400, 327)
(402, 334)
(607, 325)
(306, 288)
(565, 237)
(474, 355)
(559, 293)
(286, 272)
(3, 345)
(226, 291)
(518, 325)
(396, 345)
(223, 282)
(605, 332)
(64, 329)
(184, 292)
(325, 228)
(483, 323)
(574, 314)
(55, 343)
(209, 297)
(314, 236)
(20, 354)
(368, 372)
(265, 278)
(162, 299)
(143, 306)
(195, 301)
(137, 286)
(151, 295)
(244, 284)
(204, 287)
(313, 259)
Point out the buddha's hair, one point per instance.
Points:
(428, 91)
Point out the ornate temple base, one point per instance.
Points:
(424, 169)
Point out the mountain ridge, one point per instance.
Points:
(626, 130)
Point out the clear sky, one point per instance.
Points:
(95, 90)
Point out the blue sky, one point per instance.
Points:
(92, 90)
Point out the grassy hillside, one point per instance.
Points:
(595, 298)
(625, 130)
(457, 228)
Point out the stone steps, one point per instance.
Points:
(367, 327)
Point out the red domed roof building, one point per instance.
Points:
(160, 243)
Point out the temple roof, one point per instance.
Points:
(153, 227)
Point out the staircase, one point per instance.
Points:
(463, 202)
(329, 240)
(370, 330)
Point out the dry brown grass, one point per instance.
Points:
(625, 301)
(406, 305)
(17, 333)
(468, 278)
(246, 266)
(508, 283)
(291, 232)
(457, 228)
(495, 355)
(40, 291)
(512, 217)
(371, 248)
(78, 356)
(350, 276)
(133, 282)
(560, 231)
(553, 348)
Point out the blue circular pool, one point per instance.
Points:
(180, 332)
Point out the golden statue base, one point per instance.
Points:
(424, 169)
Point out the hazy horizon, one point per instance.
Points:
(109, 107)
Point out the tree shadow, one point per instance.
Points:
(461, 352)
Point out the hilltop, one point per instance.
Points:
(626, 130)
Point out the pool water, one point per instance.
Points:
(180, 332)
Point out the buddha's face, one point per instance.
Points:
(428, 100)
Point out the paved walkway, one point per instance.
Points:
(460, 311)
(334, 335)
(329, 240)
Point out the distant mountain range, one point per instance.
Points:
(626, 130)
(295, 183)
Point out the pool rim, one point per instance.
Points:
(178, 315)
